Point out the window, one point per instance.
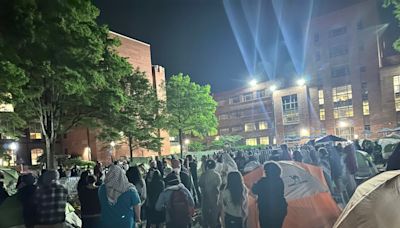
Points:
(345, 132)
(339, 71)
(316, 37)
(223, 117)
(249, 127)
(264, 140)
(342, 101)
(367, 127)
(260, 93)
(35, 155)
(234, 100)
(396, 87)
(365, 108)
(274, 140)
(224, 131)
(290, 109)
(262, 125)
(251, 142)
(337, 32)
(322, 114)
(320, 97)
(363, 69)
(338, 51)
(317, 56)
(248, 96)
(237, 129)
(364, 90)
(35, 135)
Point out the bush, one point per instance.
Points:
(79, 162)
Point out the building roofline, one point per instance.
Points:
(129, 38)
(348, 7)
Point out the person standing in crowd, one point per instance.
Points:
(26, 189)
(337, 171)
(119, 200)
(135, 177)
(182, 173)
(160, 166)
(61, 172)
(326, 167)
(235, 201)
(3, 192)
(285, 153)
(177, 201)
(193, 171)
(98, 172)
(350, 169)
(75, 171)
(50, 199)
(393, 162)
(210, 183)
(297, 156)
(272, 204)
(155, 187)
(90, 204)
(82, 180)
(150, 172)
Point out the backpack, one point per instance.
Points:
(179, 209)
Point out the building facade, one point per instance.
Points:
(351, 89)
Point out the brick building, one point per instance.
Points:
(83, 141)
(352, 85)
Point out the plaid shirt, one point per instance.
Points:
(50, 204)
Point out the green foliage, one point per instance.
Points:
(190, 107)
(226, 140)
(59, 67)
(396, 12)
(4, 155)
(78, 162)
(196, 146)
(140, 116)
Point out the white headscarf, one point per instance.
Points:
(116, 183)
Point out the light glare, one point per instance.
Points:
(301, 82)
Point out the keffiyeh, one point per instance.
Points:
(116, 183)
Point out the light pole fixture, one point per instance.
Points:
(273, 88)
(253, 82)
(301, 82)
(187, 141)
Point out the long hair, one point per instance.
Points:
(134, 175)
(236, 187)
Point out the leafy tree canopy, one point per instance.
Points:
(396, 12)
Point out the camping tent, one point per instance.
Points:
(374, 204)
(366, 168)
(309, 201)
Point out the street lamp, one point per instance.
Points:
(253, 82)
(273, 88)
(301, 82)
(13, 146)
(112, 144)
(187, 141)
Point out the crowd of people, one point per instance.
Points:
(173, 191)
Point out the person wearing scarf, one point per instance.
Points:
(119, 200)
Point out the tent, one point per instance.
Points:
(366, 168)
(309, 202)
(330, 138)
(374, 204)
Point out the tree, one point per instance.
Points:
(139, 119)
(396, 12)
(230, 140)
(60, 66)
(190, 108)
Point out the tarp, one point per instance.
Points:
(309, 201)
(376, 203)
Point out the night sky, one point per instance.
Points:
(195, 37)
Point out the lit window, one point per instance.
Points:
(322, 114)
(365, 108)
(35, 155)
(251, 142)
(320, 97)
(262, 125)
(264, 140)
(34, 135)
(290, 109)
(345, 132)
(342, 101)
(249, 127)
(224, 131)
(274, 140)
(396, 87)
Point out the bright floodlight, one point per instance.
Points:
(273, 88)
(13, 146)
(343, 124)
(112, 143)
(253, 82)
(301, 82)
(187, 141)
(355, 136)
(304, 132)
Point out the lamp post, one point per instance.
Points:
(112, 144)
(13, 147)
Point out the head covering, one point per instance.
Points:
(25, 180)
(49, 177)
(167, 170)
(172, 179)
(272, 169)
(116, 183)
